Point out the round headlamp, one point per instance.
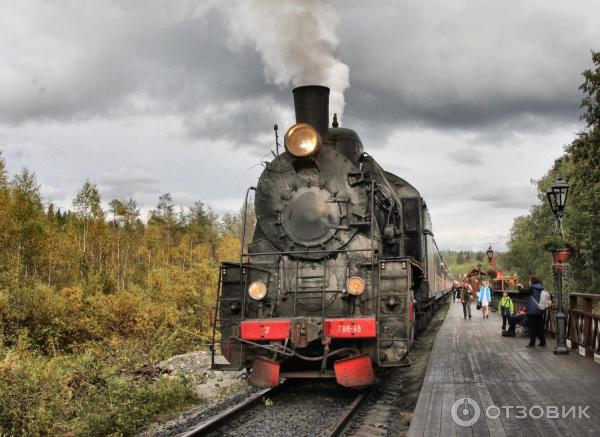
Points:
(257, 290)
(355, 286)
(302, 140)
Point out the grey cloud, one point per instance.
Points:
(141, 66)
(512, 197)
(466, 157)
(126, 182)
(54, 194)
(470, 67)
(247, 123)
(88, 87)
(484, 68)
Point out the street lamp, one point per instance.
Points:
(557, 197)
(490, 254)
(479, 271)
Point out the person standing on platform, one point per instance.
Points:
(456, 291)
(535, 322)
(507, 309)
(466, 296)
(485, 297)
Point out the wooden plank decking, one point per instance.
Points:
(471, 359)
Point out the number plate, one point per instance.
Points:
(351, 328)
(265, 330)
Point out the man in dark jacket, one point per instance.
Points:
(535, 321)
(466, 296)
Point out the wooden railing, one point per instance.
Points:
(582, 328)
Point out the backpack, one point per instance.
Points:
(545, 301)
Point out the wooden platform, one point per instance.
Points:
(471, 359)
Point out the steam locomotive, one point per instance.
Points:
(342, 269)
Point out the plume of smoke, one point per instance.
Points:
(295, 39)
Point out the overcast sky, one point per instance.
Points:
(467, 100)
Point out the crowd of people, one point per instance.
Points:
(532, 317)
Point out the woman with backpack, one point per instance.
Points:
(535, 306)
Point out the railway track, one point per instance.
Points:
(322, 408)
(346, 417)
(217, 420)
(374, 412)
(295, 408)
(366, 413)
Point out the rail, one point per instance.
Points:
(582, 328)
(347, 414)
(223, 416)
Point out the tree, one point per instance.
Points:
(591, 91)
(87, 206)
(3, 174)
(582, 221)
(165, 210)
(125, 214)
(26, 228)
(580, 166)
(4, 213)
(88, 209)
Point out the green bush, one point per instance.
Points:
(80, 363)
(89, 393)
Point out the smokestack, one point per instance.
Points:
(312, 106)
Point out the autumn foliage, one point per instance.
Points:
(92, 298)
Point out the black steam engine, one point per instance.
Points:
(342, 269)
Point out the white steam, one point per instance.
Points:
(296, 41)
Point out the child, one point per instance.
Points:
(507, 309)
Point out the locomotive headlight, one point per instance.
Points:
(257, 290)
(355, 286)
(302, 140)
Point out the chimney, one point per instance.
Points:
(312, 106)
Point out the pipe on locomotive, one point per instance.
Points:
(311, 103)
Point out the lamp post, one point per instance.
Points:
(479, 271)
(492, 262)
(490, 256)
(557, 198)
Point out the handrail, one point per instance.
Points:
(583, 324)
(590, 295)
